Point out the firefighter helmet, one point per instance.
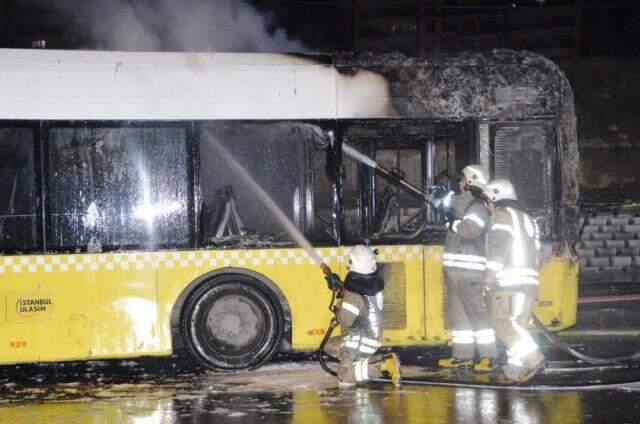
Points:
(497, 190)
(362, 260)
(475, 176)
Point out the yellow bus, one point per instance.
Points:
(124, 235)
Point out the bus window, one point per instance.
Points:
(18, 198)
(376, 209)
(524, 154)
(287, 160)
(322, 227)
(352, 197)
(111, 188)
(395, 204)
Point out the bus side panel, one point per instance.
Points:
(558, 299)
(64, 307)
(46, 313)
(556, 306)
(298, 277)
(434, 296)
(119, 305)
(305, 289)
(128, 314)
(401, 267)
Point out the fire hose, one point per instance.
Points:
(332, 325)
(560, 344)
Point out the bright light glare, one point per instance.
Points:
(90, 219)
(150, 211)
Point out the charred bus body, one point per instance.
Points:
(510, 111)
(115, 210)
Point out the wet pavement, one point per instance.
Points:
(293, 390)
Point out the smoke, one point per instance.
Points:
(170, 25)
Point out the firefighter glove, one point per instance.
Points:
(438, 191)
(451, 224)
(333, 281)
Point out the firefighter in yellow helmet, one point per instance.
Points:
(511, 278)
(360, 318)
(464, 265)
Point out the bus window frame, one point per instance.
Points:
(550, 126)
(459, 131)
(193, 128)
(35, 126)
(199, 126)
(46, 126)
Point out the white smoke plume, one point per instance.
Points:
(174, 25)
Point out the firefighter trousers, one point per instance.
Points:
(510, 316)
(355, 367)
(468, 316)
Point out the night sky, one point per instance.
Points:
(602, 27)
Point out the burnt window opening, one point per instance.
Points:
(288, 160)
(18, 192)
(524, 153)
(378, 210)
(117, 187)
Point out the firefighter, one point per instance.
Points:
(464, 264)
(511, 278)
(359, 314)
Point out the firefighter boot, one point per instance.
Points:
(391, 366)
(455, 363)
(485, 365)
(521, 374)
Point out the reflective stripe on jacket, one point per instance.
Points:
(512, 251)
(464, 246)
(360, 318)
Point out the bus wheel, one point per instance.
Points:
(230, 323)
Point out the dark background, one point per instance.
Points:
(554, 28)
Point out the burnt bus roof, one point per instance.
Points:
(497, 85)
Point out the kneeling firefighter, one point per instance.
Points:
(359, 314)
(464, 265)
(511, 278)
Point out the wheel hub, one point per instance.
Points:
(233, 321)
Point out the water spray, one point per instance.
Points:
(390, 175)
(268, 202)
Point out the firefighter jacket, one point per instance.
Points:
(360, 318)
(464, 245)
(513, 250)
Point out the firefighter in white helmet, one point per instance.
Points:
(360, 318)
(511, 278)
(464, 265)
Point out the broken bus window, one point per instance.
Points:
(287, 159)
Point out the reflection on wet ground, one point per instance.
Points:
(172, 391)
(294, 389)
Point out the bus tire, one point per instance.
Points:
(231, 323)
